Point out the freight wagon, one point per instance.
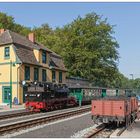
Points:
(119, 109)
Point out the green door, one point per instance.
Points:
(6, 95)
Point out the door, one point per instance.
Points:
(6, 95)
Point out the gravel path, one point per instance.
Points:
(63, 129)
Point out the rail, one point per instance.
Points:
(7, 116)
(40, 120)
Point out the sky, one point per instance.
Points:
(125, 17)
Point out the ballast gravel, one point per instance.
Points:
(81, 134)
(65, 128)
(15, 119)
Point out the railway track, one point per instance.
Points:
(121, 131)
(19, 114)
(105, 131)
(7, 116)
(17, 126)
(101, 131)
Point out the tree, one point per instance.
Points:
(88, 48)
(8, 22)
(86, 45)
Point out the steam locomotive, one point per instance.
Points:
(47, 96)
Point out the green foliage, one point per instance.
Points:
(134, 83)
(86, 45)
(8, 22)
(88, 48)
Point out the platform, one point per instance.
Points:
(133, 132)
(6, 108)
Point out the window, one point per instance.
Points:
(44, 57)
(60, 77)
(53, 76)
(36, 74)
(44, 75)
(27, 73)
(7, 52)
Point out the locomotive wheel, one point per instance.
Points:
(60, 106)
(52, 108)
(27, 109)
(32, 109)
(56, 107)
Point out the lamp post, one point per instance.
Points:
(132, 85)
(11, 64)
(132, 76)
(10, 84)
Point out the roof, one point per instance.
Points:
(57, 60)
(42, 47)
(9, 37)
(26, 55)
(24, 49)
(53, 54)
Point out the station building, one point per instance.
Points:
(22, 59)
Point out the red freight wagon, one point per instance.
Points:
(114, 109)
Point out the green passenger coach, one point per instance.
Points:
(84, 95)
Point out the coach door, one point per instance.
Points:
(6, 95)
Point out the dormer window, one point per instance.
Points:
(7, 52)
(44, 57)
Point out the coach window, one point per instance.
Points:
(36, 74)
(44, 75)
(7, 52)
(53, 76)
(27, 73)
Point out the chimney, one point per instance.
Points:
(31, 37)
(2, 31)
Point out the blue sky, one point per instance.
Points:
(126, 17)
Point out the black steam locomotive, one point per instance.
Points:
(47, 96)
